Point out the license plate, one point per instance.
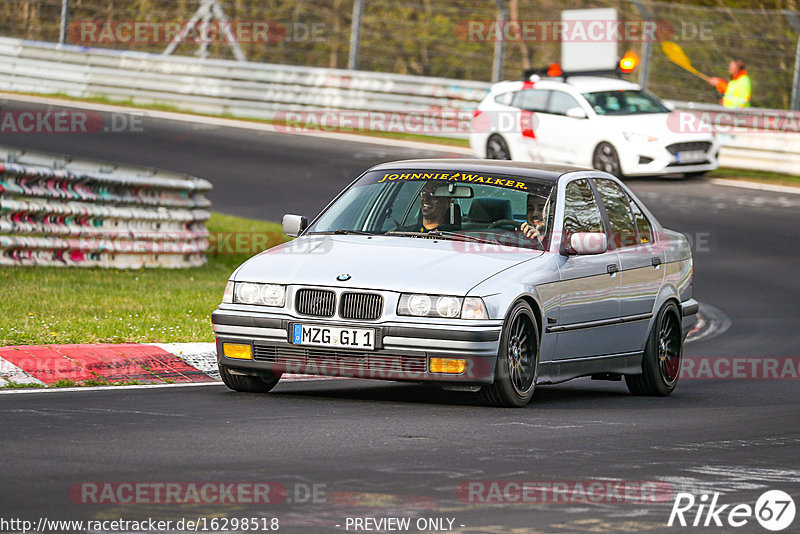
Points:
(333, 336)
(690, 156)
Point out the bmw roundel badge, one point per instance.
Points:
(344, 277)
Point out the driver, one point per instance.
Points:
(435, 211)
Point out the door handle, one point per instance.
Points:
(612, 269)
(656, 262)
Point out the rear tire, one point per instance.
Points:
(605, 159)
(497, 148)
(246, 383)
(663, 354)
(517, 366)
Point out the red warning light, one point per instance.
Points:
(554, 70)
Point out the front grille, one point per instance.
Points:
(674, 164)
(684, 147)
(334, 362)
(318, 302)
(361, 306)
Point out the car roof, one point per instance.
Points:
(582, 84)
(540, 171)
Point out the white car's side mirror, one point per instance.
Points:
(576, 113)
(669, 105)
(584, 243)
(293, 225)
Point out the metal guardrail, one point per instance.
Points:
(64, 212)
(266, 91)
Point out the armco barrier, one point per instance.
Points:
(59, 212)
(264, 91)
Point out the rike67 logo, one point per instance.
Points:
(774, 510)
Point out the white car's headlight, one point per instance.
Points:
(639, 138)
(260, 294)
(418, 305)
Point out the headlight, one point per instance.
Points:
(227, 295)
(417, 305)
(638, 138)
(260, 294)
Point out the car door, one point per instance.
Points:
(566, 135)
(641, 272)
(589, 284)
(532, 104)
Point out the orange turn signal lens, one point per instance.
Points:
(237, 351)
(454, 366)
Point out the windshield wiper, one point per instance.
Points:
(343, 232)
(440, 234)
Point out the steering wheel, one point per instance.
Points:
(506, 224)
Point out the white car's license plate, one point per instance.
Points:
(690, 156)
(333, 336)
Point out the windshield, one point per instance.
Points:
(501, 209)
(624, 102)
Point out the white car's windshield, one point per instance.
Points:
(624, 102)
(467, 206)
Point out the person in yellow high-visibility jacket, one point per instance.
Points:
(735, 93)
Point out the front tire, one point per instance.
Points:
(663, 354)
(517, 366)
(247, 383)
(605, 159)
(497, 148)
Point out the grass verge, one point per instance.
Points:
(764, 177)
(51, 305)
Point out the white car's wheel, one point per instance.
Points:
(606, 159)
(497, 148)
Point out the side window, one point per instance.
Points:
(531, 99)
(645, 231)
(560, 102)
(504, 98)
(620, 214)
(581, 213)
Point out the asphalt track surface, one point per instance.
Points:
(390, 450)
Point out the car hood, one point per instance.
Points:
(665, 126)
(381, 262)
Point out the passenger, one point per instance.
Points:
(535, 214)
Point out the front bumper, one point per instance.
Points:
(651, 159)
(402, 349)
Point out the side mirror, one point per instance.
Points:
(293, 225)
(576, 113)
(586, 243)
(669, 105)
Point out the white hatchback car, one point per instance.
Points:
(605, 123)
